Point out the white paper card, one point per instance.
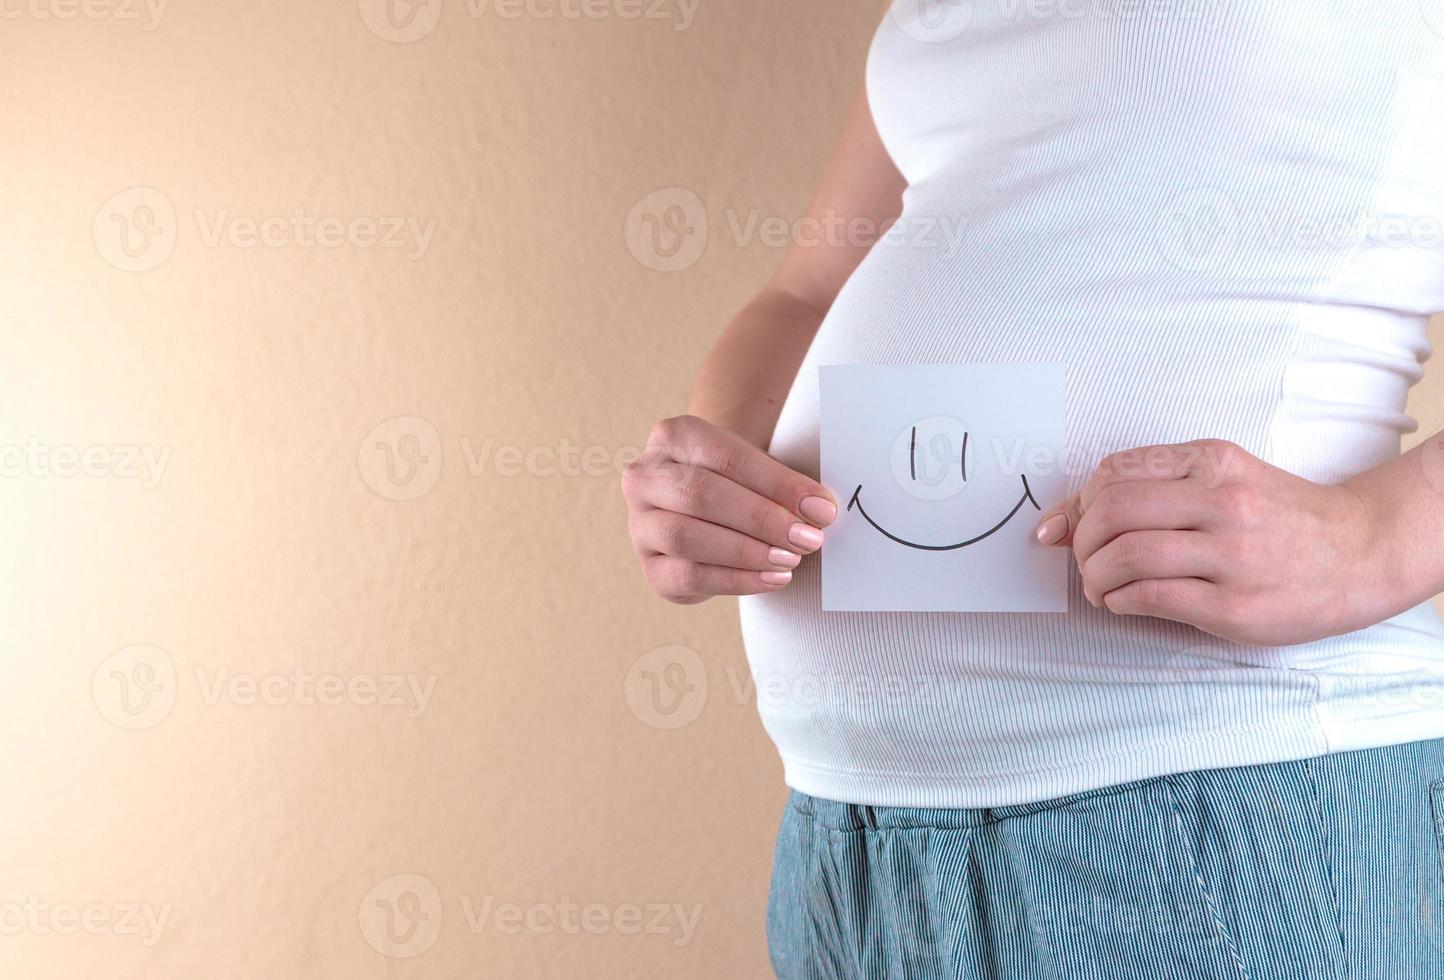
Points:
(942, 471)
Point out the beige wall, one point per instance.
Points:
(199, 625)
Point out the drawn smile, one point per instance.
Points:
(1027, 498)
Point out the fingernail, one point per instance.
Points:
(1052, 530)
(818, 510)
(783, 558)
(775, 578)
(805, 536)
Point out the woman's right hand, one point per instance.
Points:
(711, 514)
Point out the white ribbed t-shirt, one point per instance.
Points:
(1226, 219)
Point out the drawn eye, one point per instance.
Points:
(941, 449)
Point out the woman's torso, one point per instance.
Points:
(1225, 220)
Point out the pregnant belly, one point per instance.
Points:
(1149, 359)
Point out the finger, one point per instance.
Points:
(686, 581)
(1177, 505)
(1058, 525)
(694, 442)
(1148, 555)
(1184, 600)
(665, 533)
(1151, 463)
(712, 497)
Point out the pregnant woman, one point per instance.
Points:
(1226, 760)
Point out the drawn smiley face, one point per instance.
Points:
(928, 464)
(930, 461)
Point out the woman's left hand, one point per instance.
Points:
(1207, 534)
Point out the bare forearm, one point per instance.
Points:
(1405, 501)
(709, 511)
(745, 379)
(742, 384)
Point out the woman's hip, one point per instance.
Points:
(1323, 867)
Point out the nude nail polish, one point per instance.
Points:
(783, 558)
(805, 536)
(818, 510)
(1053, 529)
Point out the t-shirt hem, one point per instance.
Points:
(1258, 745)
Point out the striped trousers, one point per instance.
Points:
(1322, 868)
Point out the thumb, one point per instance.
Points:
(1057, 525)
